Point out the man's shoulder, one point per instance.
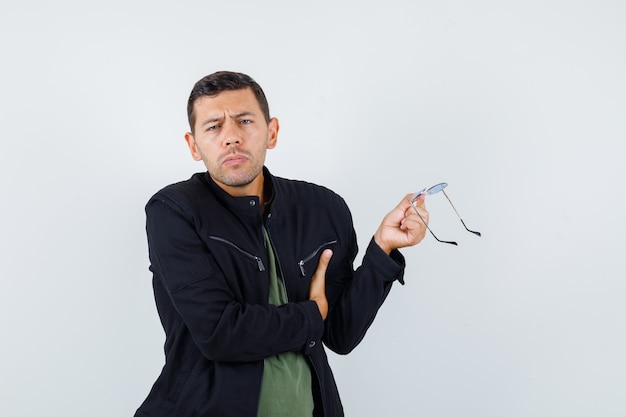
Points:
(194, 182)
(183, 192)
(302, 186)
(300, 191)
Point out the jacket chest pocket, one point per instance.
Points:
(243, 253)
(240, 255)
(244, 272)
(307, 264)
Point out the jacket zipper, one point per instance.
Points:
(312, 255)
(258, 260)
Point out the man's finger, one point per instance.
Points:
(322, 265)
(319, 277)
(420, 201)
(317, 289)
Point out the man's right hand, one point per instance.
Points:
(317, 290)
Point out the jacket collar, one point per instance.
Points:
(247, 205)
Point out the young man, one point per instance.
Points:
(252, 273)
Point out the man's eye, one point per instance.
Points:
(245, 121)
(211, 128)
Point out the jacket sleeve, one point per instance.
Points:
(356, 296)
(199, 297)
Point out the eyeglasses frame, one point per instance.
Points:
(433, 190)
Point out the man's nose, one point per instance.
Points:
(231, 134)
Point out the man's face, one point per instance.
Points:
(231, 137)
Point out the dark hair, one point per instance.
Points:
(217, 82)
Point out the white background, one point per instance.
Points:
(520, 106)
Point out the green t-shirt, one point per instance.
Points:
(286, 389)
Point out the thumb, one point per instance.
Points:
(318, 280)
(421, 201)
(322, 265)
(317, 289)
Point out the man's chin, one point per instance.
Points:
(238, 183)
(235, 181)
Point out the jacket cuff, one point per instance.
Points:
(316, 327)
(391, 266)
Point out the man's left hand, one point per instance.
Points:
(402, 227)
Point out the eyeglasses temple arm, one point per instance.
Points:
(457, 214)
(431, 232)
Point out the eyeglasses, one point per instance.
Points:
(434, 190)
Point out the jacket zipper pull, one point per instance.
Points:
(259, 263)
(301, 265)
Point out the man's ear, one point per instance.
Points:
(272, 132)
(191, 142)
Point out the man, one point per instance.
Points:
(252, 272)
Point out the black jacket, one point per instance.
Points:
(208, 258)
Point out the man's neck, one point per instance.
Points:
(255, 188)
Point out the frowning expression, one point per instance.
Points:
(231, 136)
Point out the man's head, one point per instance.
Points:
(217, 82)
(231, 131)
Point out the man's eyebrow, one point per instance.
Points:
(243, 114)
(220, 118)
(212, 120)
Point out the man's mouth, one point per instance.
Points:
(235, 160)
